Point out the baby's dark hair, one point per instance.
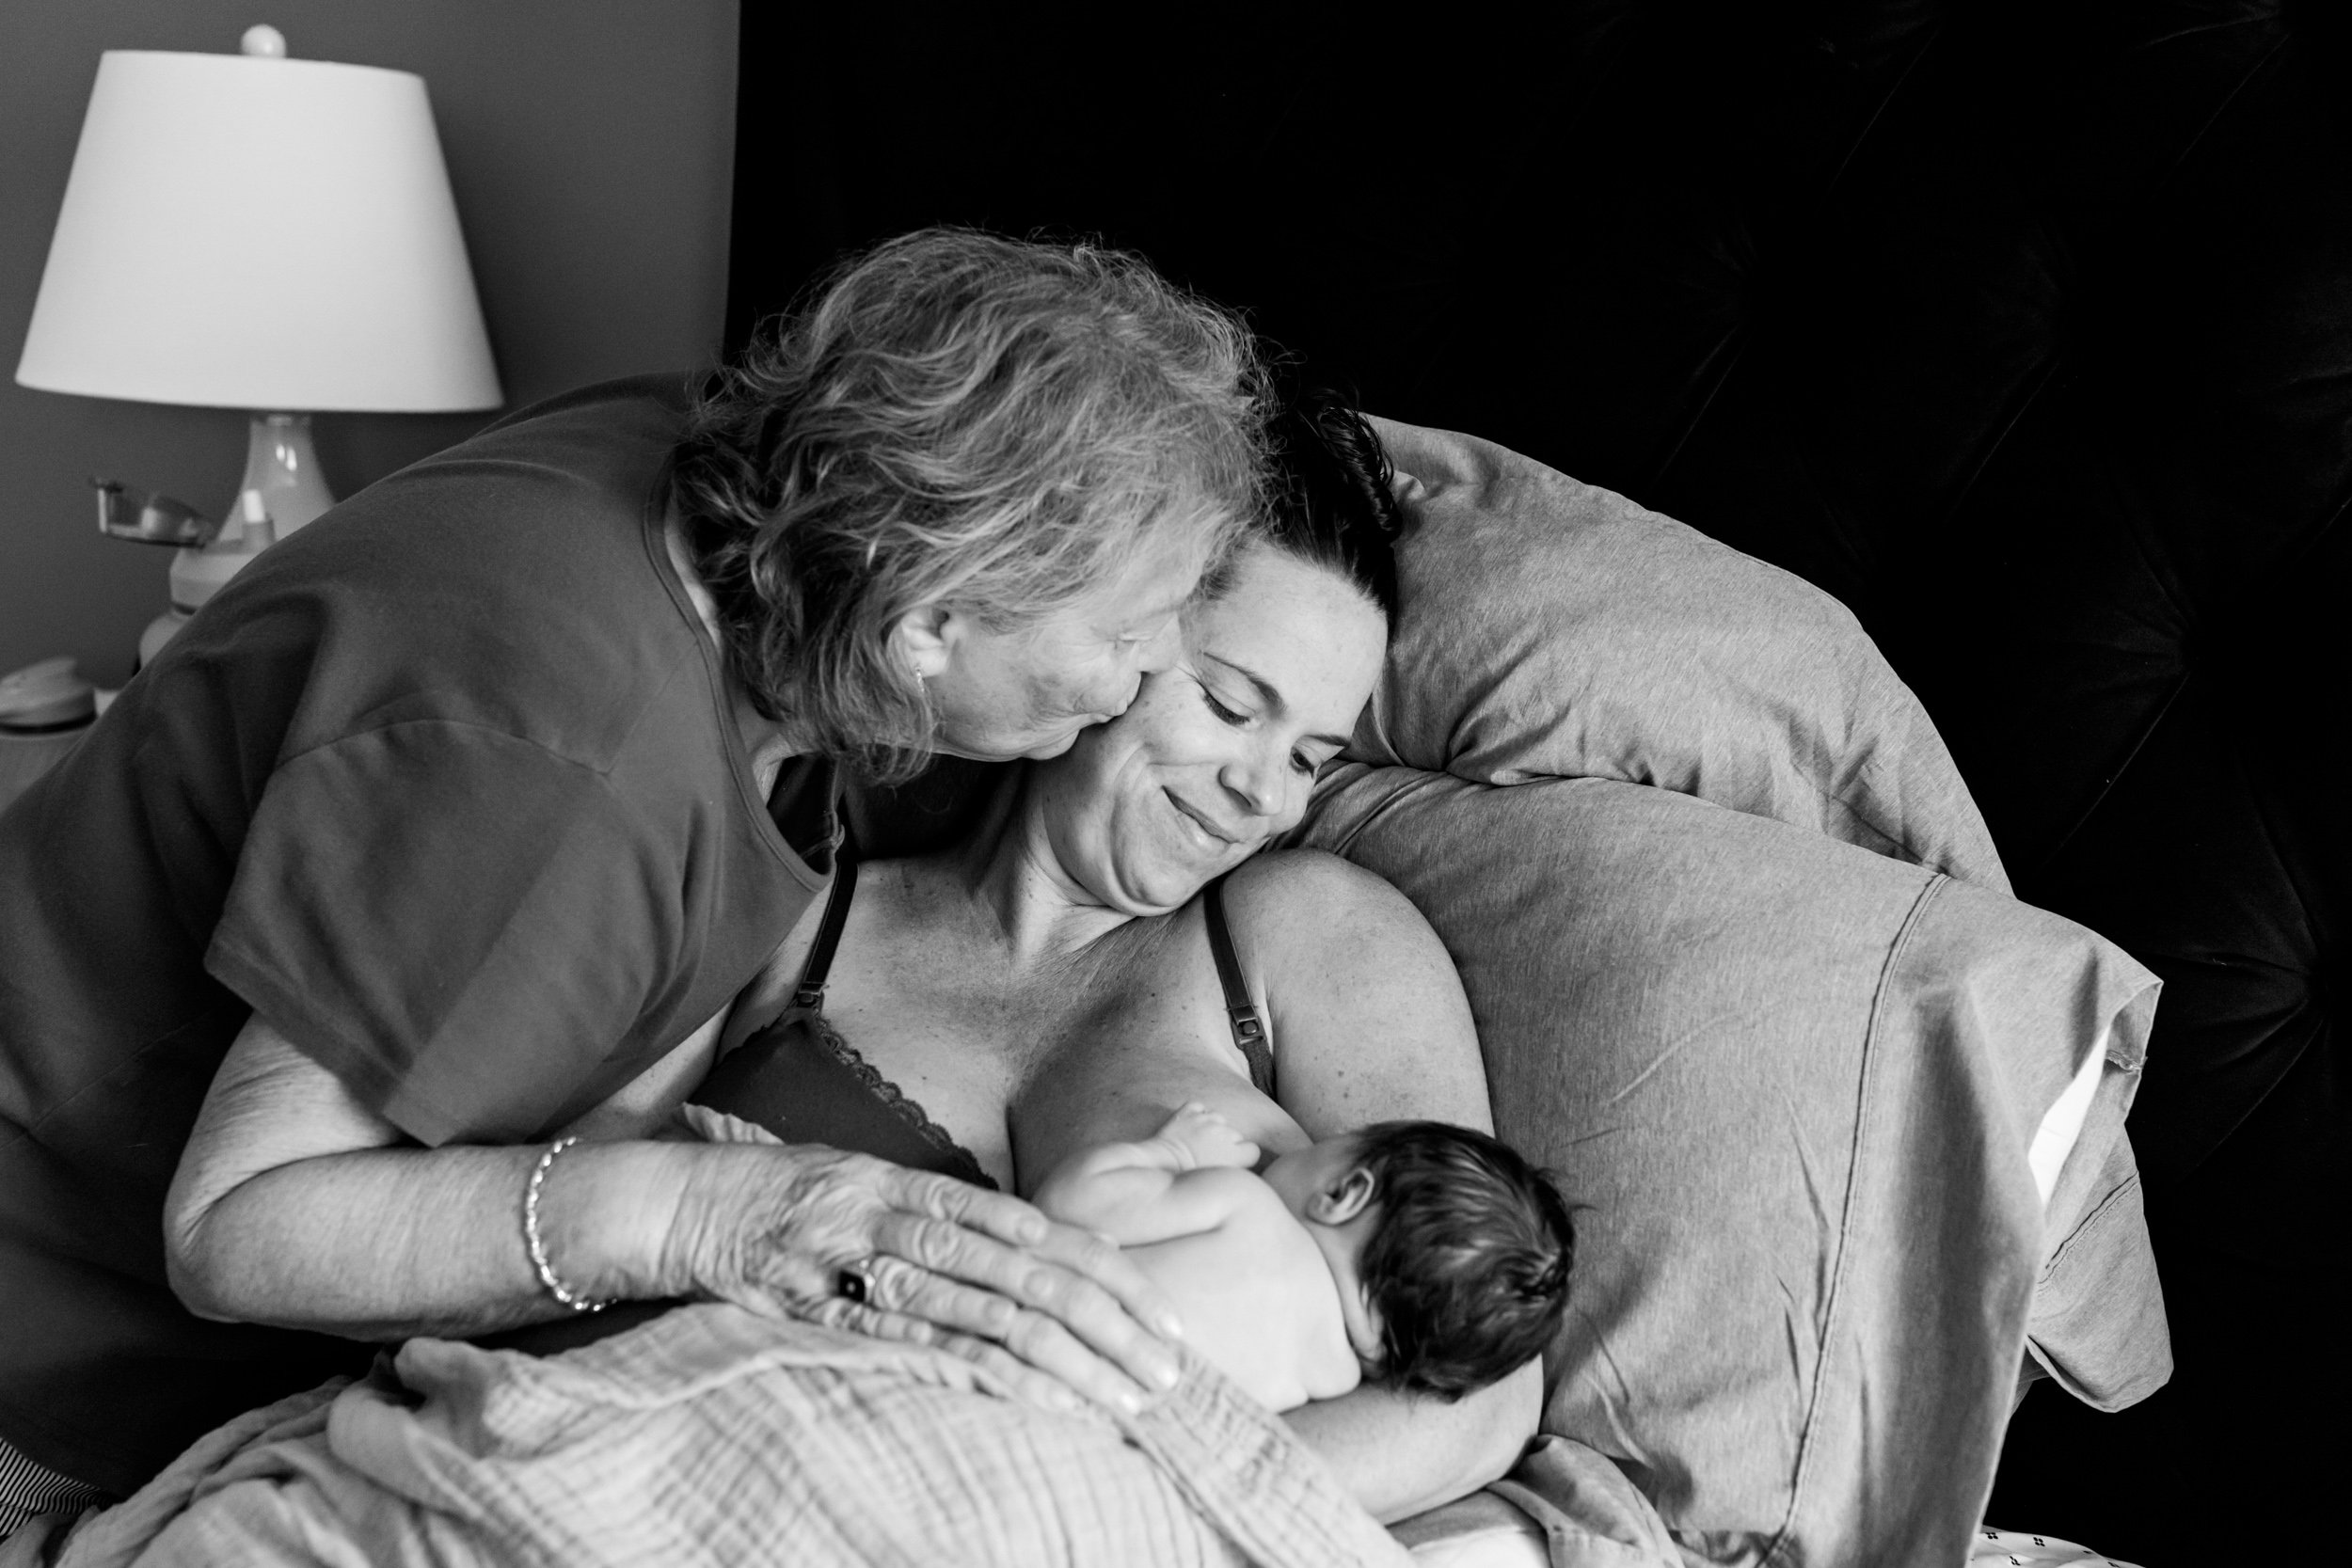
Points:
(1468, 1261)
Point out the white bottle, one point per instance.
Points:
(196, 575)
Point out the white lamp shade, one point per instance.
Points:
(247, 233)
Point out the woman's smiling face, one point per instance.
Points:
(1219, 753)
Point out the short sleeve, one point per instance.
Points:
(461, 925)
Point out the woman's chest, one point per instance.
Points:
(972, 1047)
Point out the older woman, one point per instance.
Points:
(462, 807)
(1056, 976)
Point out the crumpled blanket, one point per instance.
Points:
(711, 1435)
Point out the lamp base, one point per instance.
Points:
(281, 464)
(282, 467)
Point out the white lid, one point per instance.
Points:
(43, 696)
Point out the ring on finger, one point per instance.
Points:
(856, 1282)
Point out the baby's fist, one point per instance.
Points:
(1206, 1138)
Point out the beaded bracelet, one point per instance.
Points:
(537, 1246)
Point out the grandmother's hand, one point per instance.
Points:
(1050, 1308)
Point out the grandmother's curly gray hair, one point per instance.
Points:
(954, 417)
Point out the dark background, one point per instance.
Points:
(2026, 329)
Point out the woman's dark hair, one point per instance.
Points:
(1468, 1261)
(1329, 500)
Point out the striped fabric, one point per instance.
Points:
(27, 1488)
(712, 1436)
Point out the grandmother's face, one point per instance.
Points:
(1217, 754)
(1027, 692)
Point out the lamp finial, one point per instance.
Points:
(264, 41)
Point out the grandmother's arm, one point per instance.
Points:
(296, 1205)
(1370, 1024)
(396, 1240)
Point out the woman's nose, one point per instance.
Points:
(1260, 784)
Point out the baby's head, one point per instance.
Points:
(1461, 1248)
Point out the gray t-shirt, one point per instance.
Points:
(445, 786)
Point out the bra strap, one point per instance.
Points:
(1241, 1012)
(811, 992)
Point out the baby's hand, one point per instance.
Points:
(1201, 1137)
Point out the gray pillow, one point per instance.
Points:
(1793, 1086)
(1551, 629)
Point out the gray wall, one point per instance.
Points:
(591, 145)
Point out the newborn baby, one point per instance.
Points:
(1411, 1253)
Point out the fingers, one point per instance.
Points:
(1039, 1391)
(999, 1215)
(1033, 1339)
(1059, 1301)
(903, 1286)
(1082, 1283)
(1047, 1344)
(1010, 1220)
(1047, 1305)
(1105, 1324)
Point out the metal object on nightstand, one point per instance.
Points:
(211, 553)
(150, 517)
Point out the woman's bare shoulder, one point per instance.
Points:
(1365, 1009)
(1313, 895)
(1318, 874)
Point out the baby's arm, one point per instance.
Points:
(1187, 1178)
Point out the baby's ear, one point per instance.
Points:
(1344, 1199)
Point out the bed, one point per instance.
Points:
(1844, 1121)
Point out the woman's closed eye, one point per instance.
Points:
(1231, 716)
(1301, 764)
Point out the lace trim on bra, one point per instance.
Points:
(901, 1103)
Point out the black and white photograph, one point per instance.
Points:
(1047, 785)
